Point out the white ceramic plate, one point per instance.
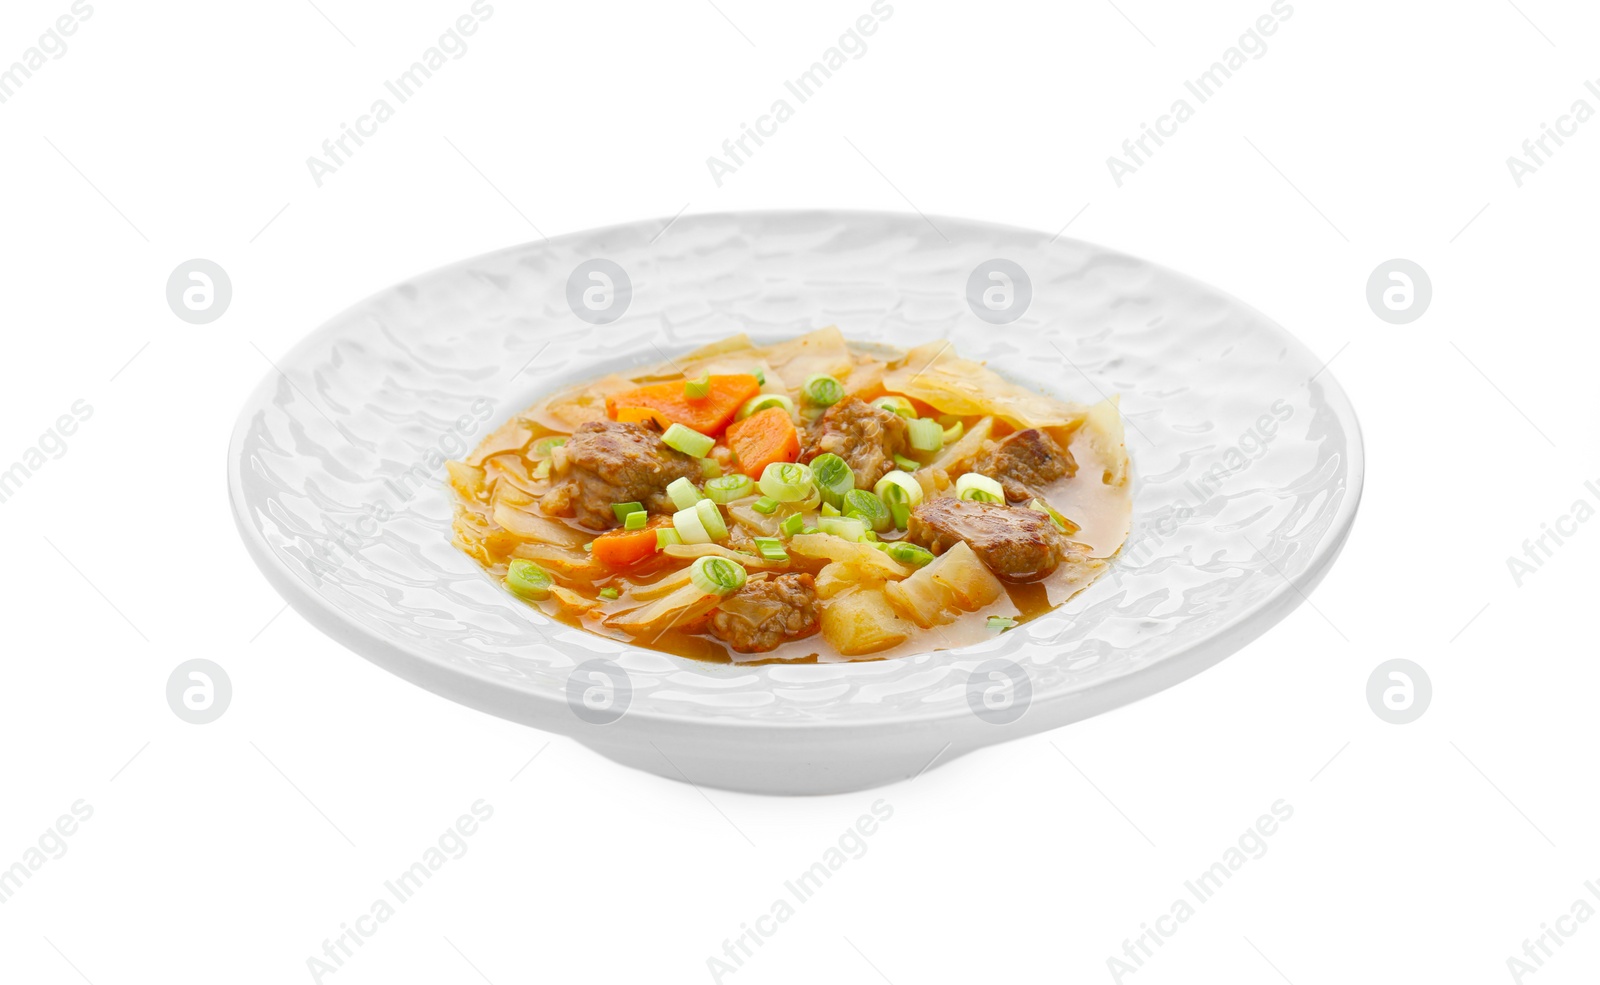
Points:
(1246, 454)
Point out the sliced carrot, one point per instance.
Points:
(638, 415)
(763, 438)
(623, 548)
(708, 414)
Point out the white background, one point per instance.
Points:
(229, 852)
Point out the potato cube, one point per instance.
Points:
(955, 581)
(862, 622)
(836, 578)
(920, 598)
(972, 585)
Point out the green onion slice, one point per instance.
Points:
(610, 593)
(711, 519)
(786, 482)
(635, 521)
(910, 488)
(623, 510)
(894, 498)
(907, 464)
(667, 536)
(542, 470)
(896, 405)
(833, 476)
(1067, 526)
(698, 389)
(900, 493)
(869, 508)
(688, 440)
(848, 528)
(771, 548)
(926, 434)
(762, 401)
(727, 488)
(529, 580)
(954, 432)
(544, 446)
(1001, 623)
(792, 524)
(766, 504)
(822, 390)
(683, 493)
(710, 468)
(690, 527)
(828, 509)
(717, 575)
(980, 488)
(761, 378)
(907, 553)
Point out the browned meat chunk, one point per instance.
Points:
(1016, 543)
(765, 613)
(1025, 461)
(865, 436)
(613, 462)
